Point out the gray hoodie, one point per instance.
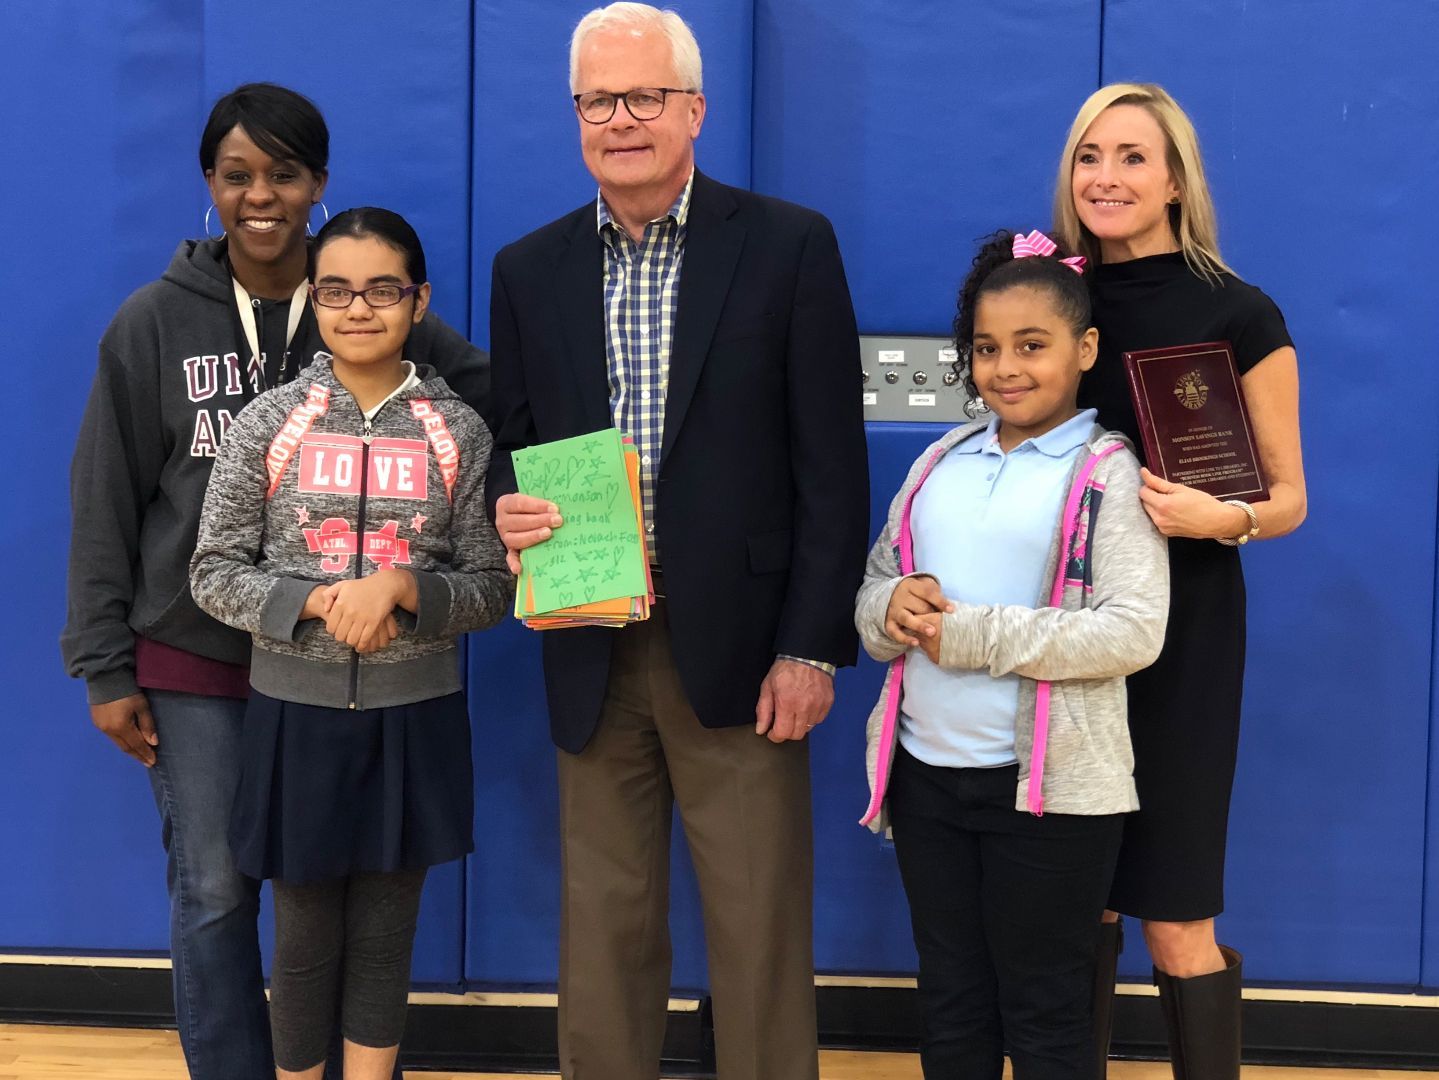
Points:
(306, 491)
(173, 374)
(1101, 616)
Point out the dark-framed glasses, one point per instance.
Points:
(376, 296)
(643, 103)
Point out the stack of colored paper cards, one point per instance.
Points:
(593, 571)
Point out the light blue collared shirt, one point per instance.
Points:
(983, 524)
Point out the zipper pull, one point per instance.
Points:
(368, 426)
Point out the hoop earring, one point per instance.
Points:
(326, 211)
(207, 225)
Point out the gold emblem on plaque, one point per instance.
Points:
(1191, 390)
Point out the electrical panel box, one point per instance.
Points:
(913, 378)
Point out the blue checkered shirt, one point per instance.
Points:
(642, 288)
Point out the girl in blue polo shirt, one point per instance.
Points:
(1017, 582)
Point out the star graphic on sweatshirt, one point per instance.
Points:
(303, 514)
(417, 522)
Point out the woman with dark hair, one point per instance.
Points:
(166, 682)
(356, 747)
(1132, 197)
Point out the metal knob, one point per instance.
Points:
(920, 378)
(950, 378)
(891, 377)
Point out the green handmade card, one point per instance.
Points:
(597, 553)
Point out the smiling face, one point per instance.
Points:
(362, 335)
(263, 203)
(1027, 361)
(1122, 186)
(637, 162)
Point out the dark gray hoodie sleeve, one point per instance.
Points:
(477, 589)
(223, 576)
(463, 366)
(114, 475)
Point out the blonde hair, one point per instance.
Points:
(689, 69)
(1192, 220)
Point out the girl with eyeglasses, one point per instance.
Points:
(184, 354)
(345, 530)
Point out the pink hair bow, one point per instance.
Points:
(1036, 243)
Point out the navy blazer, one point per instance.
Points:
(762, 498)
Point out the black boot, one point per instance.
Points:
(1202, 1018)
(1111, 944)
(1168, 1005)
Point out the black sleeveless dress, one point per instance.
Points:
(1184, 710)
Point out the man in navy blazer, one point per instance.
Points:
(715, 327)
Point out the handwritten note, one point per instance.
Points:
(596, 554)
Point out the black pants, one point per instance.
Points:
(342, 947)
(1005, 908)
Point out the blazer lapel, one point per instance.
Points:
(713, 241)
(580, 299)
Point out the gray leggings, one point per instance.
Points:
(349, 936)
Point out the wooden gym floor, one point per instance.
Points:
(29, 1052)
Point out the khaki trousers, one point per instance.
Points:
(745, 806)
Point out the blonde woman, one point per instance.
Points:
(1132, 197)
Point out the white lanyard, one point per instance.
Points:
(252, 333)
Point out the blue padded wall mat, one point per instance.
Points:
(917, 128)
(101, 197)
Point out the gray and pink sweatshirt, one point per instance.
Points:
(307, 491)
(1101, 616)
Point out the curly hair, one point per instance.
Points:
(995, 270)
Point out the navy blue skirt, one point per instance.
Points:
(329, 792)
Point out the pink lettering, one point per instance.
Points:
(302, 416)
(447, 454)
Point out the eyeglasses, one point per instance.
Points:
(643, 103)
(376, 296)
